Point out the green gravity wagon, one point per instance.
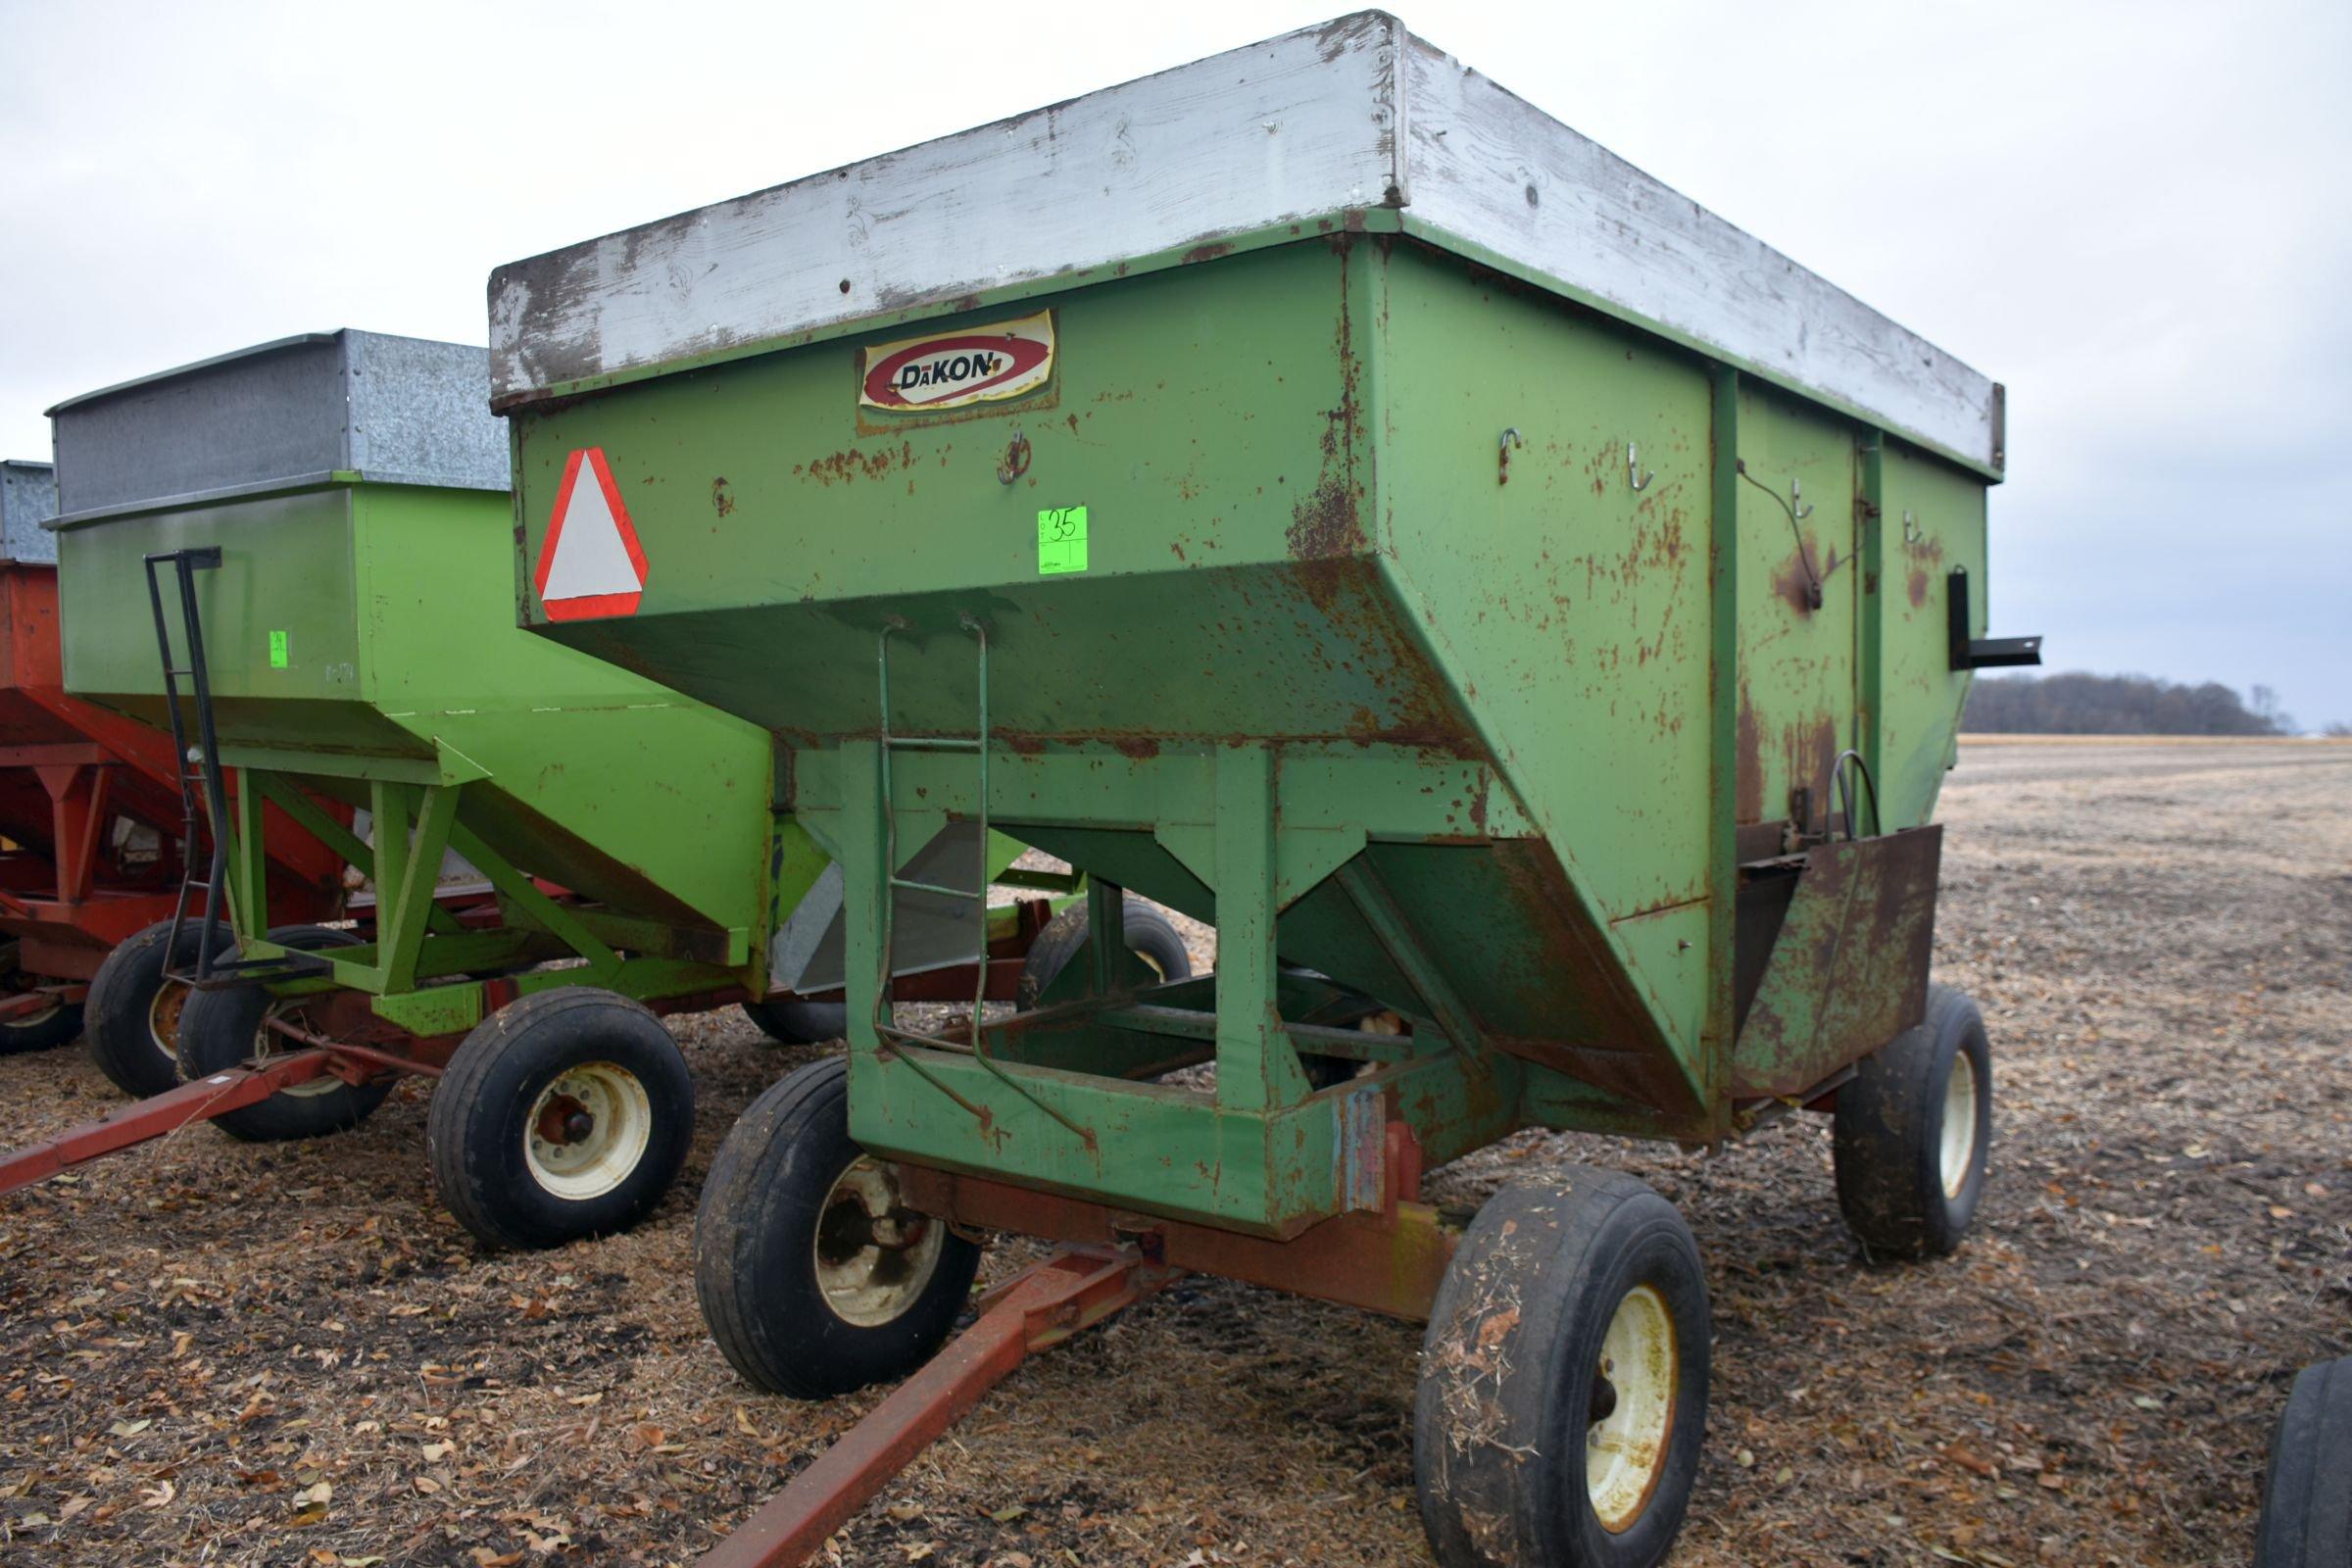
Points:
(91, 809)
(323, 527)
(1316, 491)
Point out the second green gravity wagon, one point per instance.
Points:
(1314, 490)
(323, 524)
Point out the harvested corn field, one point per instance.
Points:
(218, 1354)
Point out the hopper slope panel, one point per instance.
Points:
(1171, 657)
(26, 720)
(593, 776)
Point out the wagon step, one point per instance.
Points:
(1075, 1288)
(158, 1115)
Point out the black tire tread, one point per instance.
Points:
(789, 1021)
(1882, 1143)
(122, 993)
(1064, 937)
(1511, 1293)
(2307, 1485)
(762, 1172)
(452, 1155)
(737, 1179)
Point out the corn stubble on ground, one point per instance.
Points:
(215, 1353)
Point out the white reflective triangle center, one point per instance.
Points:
(591, 559)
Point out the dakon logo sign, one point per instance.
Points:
(1003, 360)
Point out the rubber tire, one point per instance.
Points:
(1515, 1336)
(2307, 1488)
(755, 1239)
(45, 1034)
(799, 1023)
(217, 1031)
(122, 997)
(1151, 936)
(475, 1126)
(1889, 1130)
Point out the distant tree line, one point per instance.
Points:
(2118, 705)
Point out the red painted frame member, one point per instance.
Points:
(1387, 1259)
(352, 1042)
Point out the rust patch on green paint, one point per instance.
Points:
(1749, 747)
(1795, 579)
(1323, 525)
(1810, 750)
(851, 463)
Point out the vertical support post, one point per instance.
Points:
(248, 860)
(1870, 618)
(405, 909)
(1722, 689)
(1256, 1067)
(77, 811)
(865, 873)
(390, 805)
(1106, 931)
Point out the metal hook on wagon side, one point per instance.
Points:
(1510, 438)
(1016, 458)
(1796, 501)
(1632, 468)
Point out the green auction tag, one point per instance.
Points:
(278, 650)
(1061, 540)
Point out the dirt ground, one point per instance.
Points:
(216, 1354)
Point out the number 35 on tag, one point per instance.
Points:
(1061, 540)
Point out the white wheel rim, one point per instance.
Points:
(1959, 1142)
(171, 998)
(265, 1043)
(872, 1256)
(1625, 1448)
(587, 1131)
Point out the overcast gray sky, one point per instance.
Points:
(2139, 215)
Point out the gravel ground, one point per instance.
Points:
(214, 1353)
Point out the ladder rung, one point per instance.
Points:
(930, 743)
(912, 886)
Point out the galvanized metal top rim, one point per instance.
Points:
(155, 378)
